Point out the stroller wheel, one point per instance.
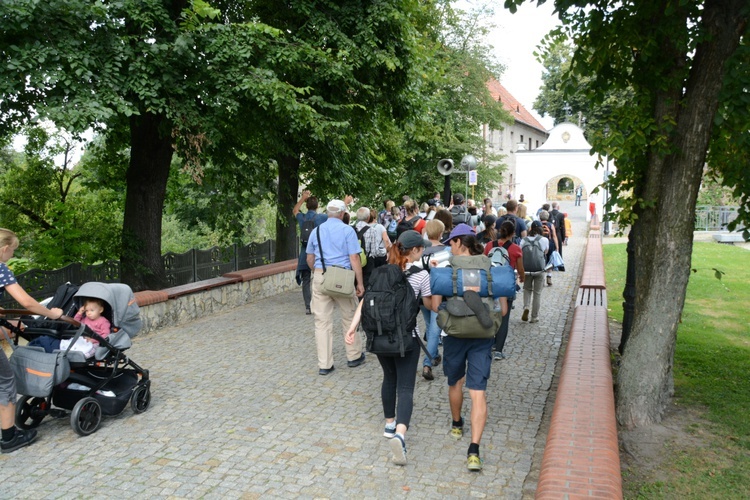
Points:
(30, 412)
(141, 398)
(86, 416)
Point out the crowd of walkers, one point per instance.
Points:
(417, 238)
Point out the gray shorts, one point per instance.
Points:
(7, 381)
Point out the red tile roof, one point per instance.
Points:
(511, 105)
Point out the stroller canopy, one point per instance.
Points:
(125, 312)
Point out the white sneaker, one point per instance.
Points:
(398, 449)
(534, 320)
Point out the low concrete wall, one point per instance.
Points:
(164, 308)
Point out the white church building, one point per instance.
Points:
(553, 171)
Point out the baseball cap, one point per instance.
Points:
(536, 223)
(458, 198)
(411, 239)
(336, 206)
(459, 230)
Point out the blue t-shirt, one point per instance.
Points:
(339, 241)
(6, 278)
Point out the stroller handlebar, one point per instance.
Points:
(24, 312)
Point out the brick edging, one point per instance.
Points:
(581, 455)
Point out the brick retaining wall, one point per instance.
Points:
(581, 457)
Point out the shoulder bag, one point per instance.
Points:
(337, 281)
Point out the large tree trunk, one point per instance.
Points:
(150, 157)
(665, 233)
(286, 227)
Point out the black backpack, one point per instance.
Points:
(389, 311)
(406, 225)
(306, 230)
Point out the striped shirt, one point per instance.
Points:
(420, 282)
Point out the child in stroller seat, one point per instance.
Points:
(91, 315)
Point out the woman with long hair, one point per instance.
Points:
(400, 373)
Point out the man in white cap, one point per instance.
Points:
(340, 248)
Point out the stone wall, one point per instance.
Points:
(185, 308)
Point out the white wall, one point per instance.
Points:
(566, 152)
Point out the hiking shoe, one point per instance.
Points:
(436, 360)
(534, 320)
(525, 315)
(427, 373)
(474, 462)
(356, 362)
(474, 301)
(498, 355)
(390, 432)
(457, 432)
(398, 449)
(21, 439)
(326, 371)
(549, 280)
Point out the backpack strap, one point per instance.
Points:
(361, 238)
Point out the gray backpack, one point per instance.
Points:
(533, 255)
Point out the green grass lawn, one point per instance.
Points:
(712, 372)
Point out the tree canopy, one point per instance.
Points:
(249, 97)
(684, 67)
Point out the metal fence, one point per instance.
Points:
(180, 269)
(714, 218)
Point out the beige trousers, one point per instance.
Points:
(322, 309)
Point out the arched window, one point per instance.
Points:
(565, 185)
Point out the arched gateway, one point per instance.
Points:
(555, 169)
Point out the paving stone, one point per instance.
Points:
(239, 411)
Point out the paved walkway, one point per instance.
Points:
(239, 411)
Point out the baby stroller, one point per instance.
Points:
(101, 384)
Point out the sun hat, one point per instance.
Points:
(336, 206)
(459, 230)
(411, 239)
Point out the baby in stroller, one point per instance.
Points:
(86, 386)
(91, 314)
